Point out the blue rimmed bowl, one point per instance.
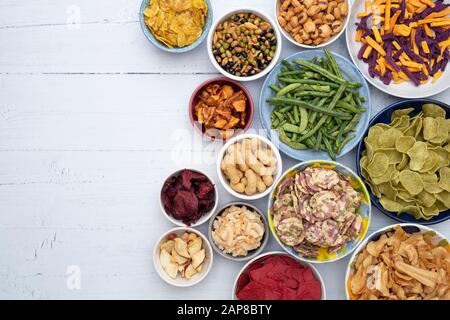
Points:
(364, 210)
(410, 228)
(349, 71)
(384, 116)
(151, 38)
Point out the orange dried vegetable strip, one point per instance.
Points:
(420, 9)
(413, 42)
(387, 15)
(438, 14)
(415, 3)
(382, 65)
(376, 34)
(425, 47)
(403, 75)
(436, 76)
(375, 45)
(367, 52)
(359, 34)
(410, 8)
(431, 20)
(428, 31)
(394, 20)
(440, 24)
(429, 3)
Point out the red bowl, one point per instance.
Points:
(222, 81)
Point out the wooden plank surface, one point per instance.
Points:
(92, 119)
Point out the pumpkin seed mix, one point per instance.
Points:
(244, 45)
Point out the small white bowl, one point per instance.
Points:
(375, 235)
(251, 254)
(179, 281)
(310, 46)
(203, 218)
(280, 253)
(272, 64)
(224, 179)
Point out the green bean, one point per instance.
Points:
(344, 142)
(309, 81)
(307, 106)
(333, 63)
(318, 141)
(290, 73)
(313, 93)
(291, 117)
(303, 118)
(337, 96)
(289, 127)
(329, 148)
(325, 73)
(289, 88)
(285, 109)
(310, 143)
(288, 65)
(351, 125)
(275, 122)
(296, 115)
(279, 115)
(284, 138)
(349, 107)
(274, 88)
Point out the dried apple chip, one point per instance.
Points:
(400, 266)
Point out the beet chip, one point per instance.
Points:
(278, 278)
(185, 204)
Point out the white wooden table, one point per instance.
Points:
(92, 119)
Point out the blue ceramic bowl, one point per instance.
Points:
(349, 71)
(148, 34)
(384, 116)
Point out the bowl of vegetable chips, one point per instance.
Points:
(175, 26)
(404, 159)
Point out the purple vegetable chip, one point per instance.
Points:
(205, 190)
(185, 206)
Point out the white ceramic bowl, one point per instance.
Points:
(310, 46)
(224, 179)
(405, 89)
(251, 254)
(280, 253)
(203, 218)
(179, 281)
(375, 235)
(272, 64)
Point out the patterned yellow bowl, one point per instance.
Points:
(363, 210)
